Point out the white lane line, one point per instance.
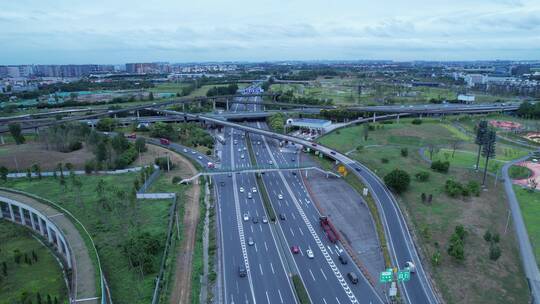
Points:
(312, 276)
(330, 249)
(265, 246)
(280, 297)
(260, 268)
(338, 301)
(291, 231)
(324, 300)
(267, 298)
(272, 267)
(323, 274)
(256, 248)
(300, 228)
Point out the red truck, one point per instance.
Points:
(329, 229)
(164, 141)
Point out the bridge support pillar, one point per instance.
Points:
(37, 130)
(138, 115)
(227, 104)
(374, 117)
(183, 107)
(200, 104)
(214, 105)
(2, 140)
(397, 119)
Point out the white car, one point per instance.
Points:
(242, 156)
(254, 190)
(280, 196)
(193, 152)
(270, 162)
(250, 241)
(246, 217)
(310, 254)
(241, 189)
(185, 150)
(200, 157)
(265, 220)
(239, 149)
(245, 148)
(249, 195)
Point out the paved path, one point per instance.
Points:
(525, 248)
(84, 272)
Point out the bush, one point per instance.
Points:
(384, 160)
(416, 121)
(89, 166)
(208, 152)
(494, 252)
(422, 176)
(404, 152)
(453, 188)
(398, 180)
(495, 238)
(74, 146)
(140, 145)
(387, 122)
(487, 236)
(474, 188)
(126, 158)
(440, 166)
(456, 247)
(176, 180)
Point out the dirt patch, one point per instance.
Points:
(181, 292)
(24, 156)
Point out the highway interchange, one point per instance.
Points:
(262, 250)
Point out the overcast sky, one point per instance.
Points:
(119, 31)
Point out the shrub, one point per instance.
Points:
(74, 146)
(440, 166)
(161, 162)
(176, 179)
(422, 176)
(89, 166)
(487, 236)
(495, 238)
(494, 252)
(387, 122)
(398, 180)
(474, 188)
(208, 152)
(416, 121)
(404, 152)
(453, 188)
(384, 160)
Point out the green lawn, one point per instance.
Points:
(110, 222)
(169, 87)
(23, 280)
(433, 223)
(519, 172)
(529, 201)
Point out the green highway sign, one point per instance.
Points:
(386, 277)
(403, 275)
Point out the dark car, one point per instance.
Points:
(342, 259)
(255, 220)
(332, 152)
(242, 271)
(357, 169)
(222, 184)
(282, 216)
(352, 277)
(314, 145)
(294, 173)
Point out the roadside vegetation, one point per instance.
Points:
(24, 263)
(445, 206)
(128, 233)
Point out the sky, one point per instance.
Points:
(119, 31)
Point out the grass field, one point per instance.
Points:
(529, 201)
(519, 172)
(23, 280)
(169, 87)
(485, 281)
(110, 221)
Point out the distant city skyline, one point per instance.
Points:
(118, 32)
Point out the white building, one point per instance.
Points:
(465, 98)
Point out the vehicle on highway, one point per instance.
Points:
(254, 190)
(410, 266)
(265, 220)
(352, 277)
(342, 259)
(241, 189)
(242, 156)
(229, 174)
(193, 152)
(242, 271)
(282, 216)
(250, 241)
(255, 220)
(280, 196)
(210, 165)
(222, 184)
(246, 217)
(132, 136)
(185, 150)
(314, 144)
(199, 157)
(293, 159)
(310, 254)
(249, 195)
(293, 172)
(357, 169)
(235, 142)
(164, 141)
(239, 149)
(295, 249)
(332, 152)
(270, 162)
(245, 148)
(258, 143)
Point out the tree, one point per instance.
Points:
(404, 152)
(365, 131)
(440, 166)
(140, 145)
(479, 140)
(16, 133)
(455, 143)
(494, 252)
(488, 150)
(151, 96)
(487, 236)
(106, 124)
(37, 170)
(29, 174)
(398, 180)
(4, 173)
(432, 149)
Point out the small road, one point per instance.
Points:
(525, 248)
